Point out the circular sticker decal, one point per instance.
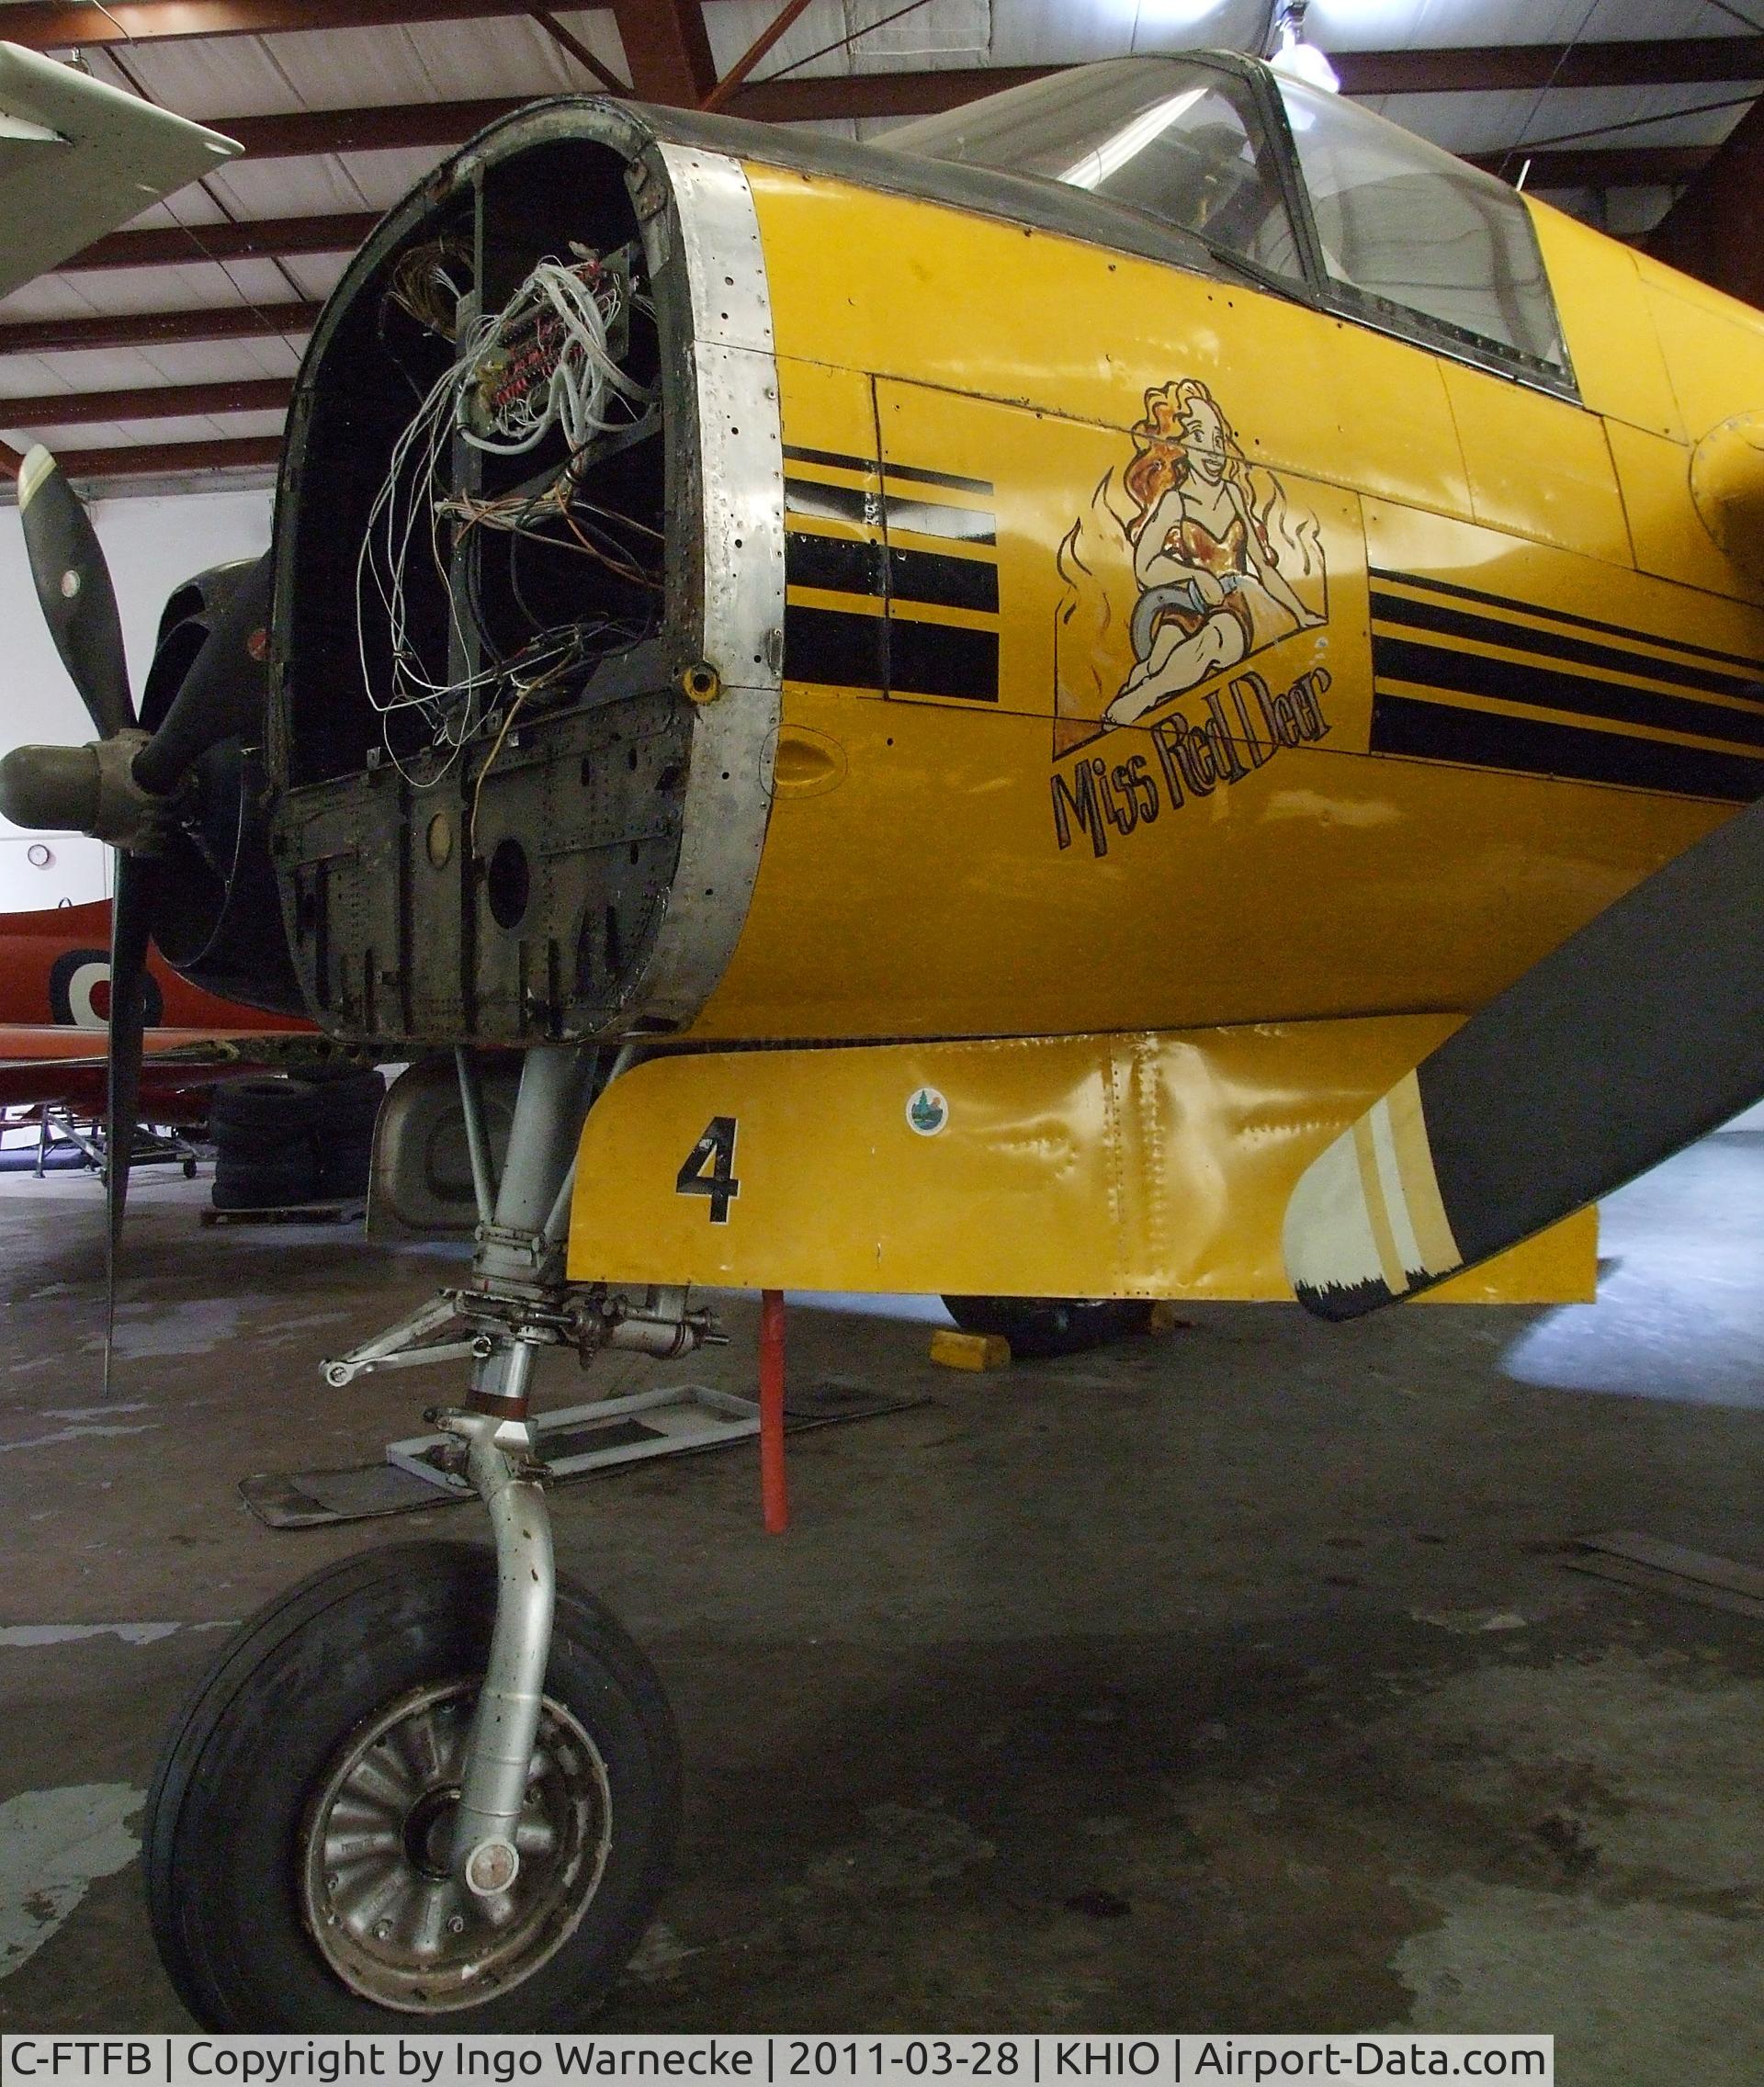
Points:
(927, 1112)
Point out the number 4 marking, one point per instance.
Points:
(709, 1168)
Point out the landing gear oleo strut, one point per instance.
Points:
(432, 1780)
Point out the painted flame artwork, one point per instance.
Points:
(1188, 560)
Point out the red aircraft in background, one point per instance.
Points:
(54, 1009)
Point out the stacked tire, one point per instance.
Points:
(287, 1139)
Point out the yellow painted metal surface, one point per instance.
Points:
(1727, 488)
(1027, 859)
(1670, 540)
(1174, 680)
(1713, 345)
(1153, 1166)
(928, 893)
(1607, 323)
(971, 305)
(1537, 467)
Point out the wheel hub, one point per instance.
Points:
(428, 1832)
(379, 1896)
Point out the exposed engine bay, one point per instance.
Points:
(492, 652)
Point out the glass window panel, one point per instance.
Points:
(1408, 225)
(1176, 139)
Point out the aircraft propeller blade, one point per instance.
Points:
(74, 585)
(1640, 1033)
(132, 913)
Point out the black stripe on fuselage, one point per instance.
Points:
(818, 502)
(844, 648)
(848, 567)
(1524, 638)
(1453, 671)
(1750, 666)
(832, 504)
(843, 565)
(1494, 740)
(932, 518)
(980, 488)
(833, 460)
(941, 658)
(837, 646)
(829, 459)
(952, 582)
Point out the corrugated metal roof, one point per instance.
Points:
(514, 56)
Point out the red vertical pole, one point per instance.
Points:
(773, 1495)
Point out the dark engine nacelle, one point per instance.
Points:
(217, 919)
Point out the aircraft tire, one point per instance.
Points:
(264, 1118)
(276, 1184)
(354, 1092)
(370, 1665)
(1037, 1326)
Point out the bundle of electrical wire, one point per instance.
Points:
(404, 504)
(415, 500)
(560, 316)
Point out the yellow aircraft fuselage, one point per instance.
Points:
(1266, 846)
(1507, 678)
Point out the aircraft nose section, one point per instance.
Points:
(528, 613)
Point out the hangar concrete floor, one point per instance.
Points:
(1232, 1680)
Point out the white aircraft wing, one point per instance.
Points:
(78, 158)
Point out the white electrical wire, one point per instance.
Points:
(585, 394)
(583, 373)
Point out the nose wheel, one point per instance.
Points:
(300, 1842)
(380, 1892)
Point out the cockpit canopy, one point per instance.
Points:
(1298, 185)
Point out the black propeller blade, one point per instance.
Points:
(131, 923)
(73, 586)
(1640, 1033)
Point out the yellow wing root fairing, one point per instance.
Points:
(1152, 1165)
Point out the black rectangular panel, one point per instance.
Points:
(839, 646)
(840, 564)
(954, 582)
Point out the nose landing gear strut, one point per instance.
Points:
(432, 1780)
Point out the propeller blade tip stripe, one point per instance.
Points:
(1438, 1250)
(1366, 1223)
(38, 466)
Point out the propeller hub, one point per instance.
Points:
(89, 789)
(53, 789)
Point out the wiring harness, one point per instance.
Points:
(549, 361)
(545, 361)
